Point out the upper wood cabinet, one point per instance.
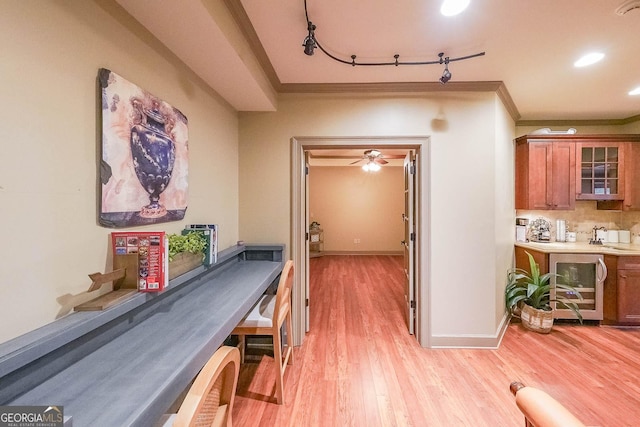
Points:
(545, 173)
(632, 177)
(600, 170)
(552, 171)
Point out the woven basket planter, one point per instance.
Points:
(536, 320)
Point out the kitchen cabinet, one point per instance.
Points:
(600, 170)
(628, 303)
(552, 171)
(632, 177)
(545, 173)
(621, 290)
(522, 260)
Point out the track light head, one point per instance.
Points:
(446, 75)
(310, 41)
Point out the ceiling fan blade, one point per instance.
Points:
(357, 161)
(380, 161)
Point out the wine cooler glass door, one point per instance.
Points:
(585, 273)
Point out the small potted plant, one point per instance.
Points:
(528, 296)
(186, 252)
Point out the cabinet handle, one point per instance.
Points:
(623, 276)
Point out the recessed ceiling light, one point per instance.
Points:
(588, 59)
(453, 7)
(636, 91)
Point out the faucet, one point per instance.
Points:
(594, 238)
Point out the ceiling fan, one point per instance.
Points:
(374, 159)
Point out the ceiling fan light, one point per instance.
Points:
(588, 59)
(635, 91)
(365, 167)
(374, 167)
(453, 7)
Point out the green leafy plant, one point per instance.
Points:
(193, 242)
(534, 289)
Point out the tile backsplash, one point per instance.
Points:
(585, 217)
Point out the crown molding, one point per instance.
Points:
(568, 122)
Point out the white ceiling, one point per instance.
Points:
(249, 50)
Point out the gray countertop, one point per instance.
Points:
(134, 376)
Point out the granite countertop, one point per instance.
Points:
(619, 249)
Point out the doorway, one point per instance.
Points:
(418, 147)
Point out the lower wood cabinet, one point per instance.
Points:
(621, 296)
(629, 296)
(628, 277)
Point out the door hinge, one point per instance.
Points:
(306, 169)
(306, 236)
(413, 304)
(413, 236)
(412, 168)
(306, 302)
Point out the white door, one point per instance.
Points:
(409, 240)
(306, 224)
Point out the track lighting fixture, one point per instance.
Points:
(311, 42)
(446, 74)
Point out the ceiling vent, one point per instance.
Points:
(627, 6)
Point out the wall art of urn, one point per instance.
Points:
(153, 153)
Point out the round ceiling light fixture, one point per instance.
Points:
(589, 59)
(453, 7)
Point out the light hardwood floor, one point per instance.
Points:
(358, 366)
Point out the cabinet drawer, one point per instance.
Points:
(629, 263)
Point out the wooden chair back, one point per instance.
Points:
(209, 401)
(283, 295)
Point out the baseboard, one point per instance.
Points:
(393, 253)
(489, 342)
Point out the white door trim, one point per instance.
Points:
(421, 144)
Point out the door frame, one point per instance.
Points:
(421, 146)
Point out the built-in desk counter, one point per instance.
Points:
(125, 366)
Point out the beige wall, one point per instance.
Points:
(51, 53)
(352, 204)
(469, 134)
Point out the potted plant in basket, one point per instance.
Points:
(528, 295)
(186, 252)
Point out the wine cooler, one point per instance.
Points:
(586, 273)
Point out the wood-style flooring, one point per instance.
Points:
(358, 366)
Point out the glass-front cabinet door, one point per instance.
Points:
(599, 172)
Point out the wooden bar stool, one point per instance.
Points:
(266, 318)
(209, 401)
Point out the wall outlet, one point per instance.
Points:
(356, 241)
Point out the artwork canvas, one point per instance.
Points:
(144, 166)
